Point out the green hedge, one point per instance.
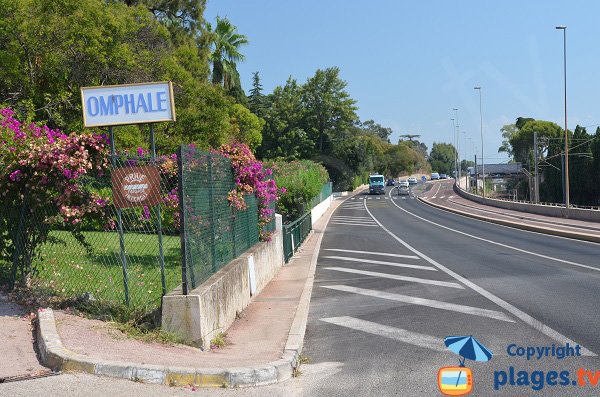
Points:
(302, 180)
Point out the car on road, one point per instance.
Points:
(435, 176)
(403, 182)
(403, 190)
(443, 176)
(412, 180)
(391, 182)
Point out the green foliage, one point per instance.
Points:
(371, 127)
(302, 181)
(330, 110)
(246, 127)
(283, 135)
(442, 158)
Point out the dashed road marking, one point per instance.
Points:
(396, 277)
(405, 265)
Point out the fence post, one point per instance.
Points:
(113, 156)
(182, 230)
(213, 249)
(18, 243)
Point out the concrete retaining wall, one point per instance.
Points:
(212, 307)
(317, 212)
(571, 213)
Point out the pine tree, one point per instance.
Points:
(256, 99)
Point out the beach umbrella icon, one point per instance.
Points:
(468, 348)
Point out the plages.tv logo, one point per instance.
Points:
(458, 380)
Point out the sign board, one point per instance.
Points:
(127, 104)
(424, 178)
(135, 186)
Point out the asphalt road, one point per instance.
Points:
(394, 277)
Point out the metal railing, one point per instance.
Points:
(294, 235)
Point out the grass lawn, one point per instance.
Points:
(67, 269)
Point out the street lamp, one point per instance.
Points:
(566, 191)
(481, 127)
(456, 169)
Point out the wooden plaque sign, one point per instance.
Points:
(135, 186)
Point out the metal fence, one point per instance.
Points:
(213, 233)
(92, 260)
(294, 235)
(295, 232)
(326, 191)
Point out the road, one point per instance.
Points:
(395, 276)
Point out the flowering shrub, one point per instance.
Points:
(41, 168)
(251, 177)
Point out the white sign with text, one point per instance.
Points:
(127, 104)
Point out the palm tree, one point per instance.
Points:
(224, 43)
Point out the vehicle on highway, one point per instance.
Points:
(443, 176)
(435, 176)
(403, 190)
(376, 185)
(391, 182)
(412, 180)
(403, 182)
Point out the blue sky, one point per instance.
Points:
(409, 63)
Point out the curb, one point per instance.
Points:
(531, 228)
(54, 355)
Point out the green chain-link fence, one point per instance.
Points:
(214, 233)
(86, 261)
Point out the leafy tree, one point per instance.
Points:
(283, 135)
(580, 164)
(246, 127)
(522, 141)
(442, 158)
(371, 127)
(420, 147)
(403, 158)
(329, 109)
(225, 42)
(508, 131)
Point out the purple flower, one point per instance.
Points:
(140, 152)
(146, 213)
(14, 176)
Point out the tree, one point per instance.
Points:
(224, 43)
(508, 131)
(284, 135)
(371, 127)
(246, 127)
(256, 99)
(442, 157)
(329, 109)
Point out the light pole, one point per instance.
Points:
(456, 169)
(567, 201)
(481, 128)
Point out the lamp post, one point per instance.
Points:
(481, 128)
(566, 191)
(456, 169)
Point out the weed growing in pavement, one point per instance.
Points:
(218, 341)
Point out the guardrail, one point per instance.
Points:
(294, 235)
(590, 214)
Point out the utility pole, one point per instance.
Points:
(536, 178)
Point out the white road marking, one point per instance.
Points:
(401, 335)
(403, 198)
(526, 318)
(354, 216)
(352, 224)
(373, 253)
(353, 220)
(442, 197)
(377, 198)
(423, 302)
(433, 197)
(395, 277)
(386, 198)
(406, 265)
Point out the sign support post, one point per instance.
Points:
(113, 157)
(161, 255)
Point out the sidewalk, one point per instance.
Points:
(262, 347)
(445, 198)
